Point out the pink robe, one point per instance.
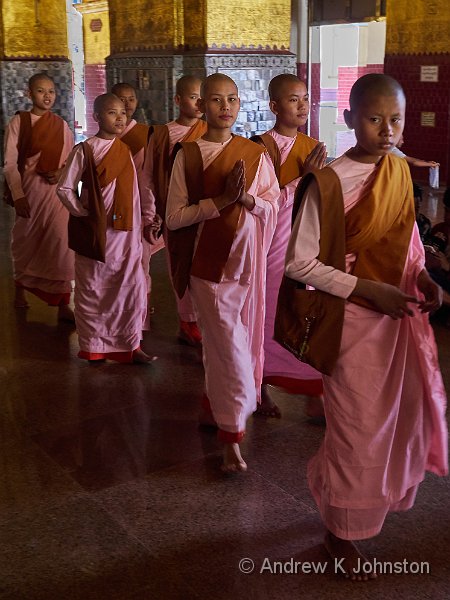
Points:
(278, 362)
(177, 132)
(385, 403)
(41, 256)
(231, 313)
(147, 219)
(110, 297)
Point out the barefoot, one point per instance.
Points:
(267, 407)
(139, 357)
(314, 410)
(351, 565)
(65, 313)
(19, 299)
(232, 459)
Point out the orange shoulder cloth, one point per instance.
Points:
(136, 138)
(293, 165)
(379, 227)
(217, 235)
(196, 131)
(47, 137)
(118, 165)
(292, 168)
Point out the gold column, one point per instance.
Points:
(96, 32)
(34, 29)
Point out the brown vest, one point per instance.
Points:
(319, 343)
(163, 160)
(47, 137)
(293, 165)
(87, 235)
(217, 235)
(379, 227)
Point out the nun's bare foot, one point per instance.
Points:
(348, 560)
(140, 358)
(232, 459)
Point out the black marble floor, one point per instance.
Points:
(108, 490)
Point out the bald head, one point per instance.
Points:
(213, 80)
(186, 84)
(372, 85)
(101, 101)
(39, 77)
(121, 87)
(278, 85)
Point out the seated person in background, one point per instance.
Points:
(438, 248)
(415, 162)
(423, 222)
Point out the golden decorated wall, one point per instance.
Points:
(418, 26)
(168, 24)
(258, 23)
(32, 29)
(144, 25)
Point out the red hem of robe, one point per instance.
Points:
(61, 299)
(230, 437)
(121, 357)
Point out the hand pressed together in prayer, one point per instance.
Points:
(22, 208)
(316, 158)
(235, 189)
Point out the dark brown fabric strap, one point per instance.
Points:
(272, 150)
(87, 235)
(181, 242)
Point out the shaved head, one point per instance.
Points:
(103, 99)
(212, 80)
(122, 86)
(371, 85)
(186, 83)
(39, 77)
(278, 83)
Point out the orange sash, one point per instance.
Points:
(217, 235)
(379, 227)
(136, 138)
(293, 165)
(196, 131)
(47, 137)
(117, 165)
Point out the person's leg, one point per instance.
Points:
(229, 379)
(20, 300)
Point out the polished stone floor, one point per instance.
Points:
(109, 491)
